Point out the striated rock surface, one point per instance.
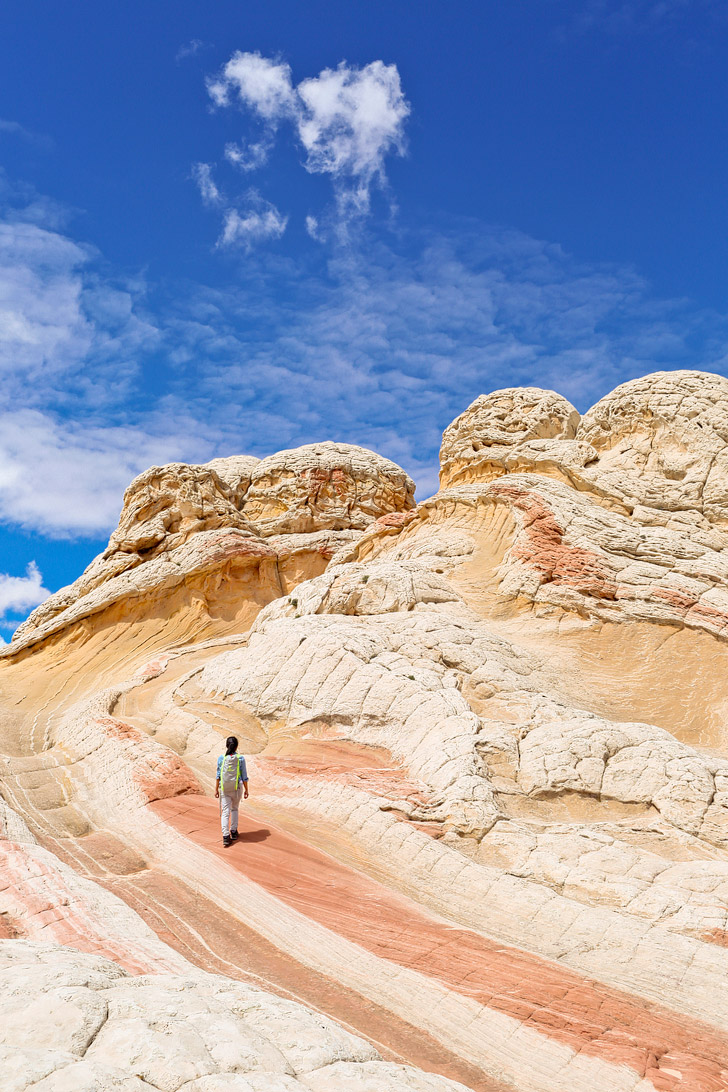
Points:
(487, 836)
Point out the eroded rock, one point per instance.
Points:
(325, 486)
(482, 442)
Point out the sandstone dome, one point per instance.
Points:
(235, 471)
(166, 504)
(326, 486)
(662, 442)
(494, 424)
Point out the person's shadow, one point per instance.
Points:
(254, 835)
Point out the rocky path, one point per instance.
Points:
(669, 1051)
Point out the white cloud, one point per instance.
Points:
(19, 593)
(259, 83)
(248, 157)
(41, 315)
(382, 344)
(57, 316)
(202, 173)
(388, 344)
(312, 227)
(64, 478)
(253, 226)
(348, 120)
(258, 221)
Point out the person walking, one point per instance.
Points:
(232, 777)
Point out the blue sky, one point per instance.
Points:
(243, 226)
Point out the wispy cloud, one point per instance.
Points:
(384, 346)
(14, 128)
(382, 343)
(249, 157)
(72, 335)
(618, 17)
(65, 324)
(347, 120)
(254, 225)
(252, 221)
(262, 84)
(190, 49)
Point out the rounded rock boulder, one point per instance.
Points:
(475, 444)
(662, 442)
(326, 486)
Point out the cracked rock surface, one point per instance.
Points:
(486, 844)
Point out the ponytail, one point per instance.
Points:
(231, 745)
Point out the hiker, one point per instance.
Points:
(231, 774)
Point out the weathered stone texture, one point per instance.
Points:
(488, 758)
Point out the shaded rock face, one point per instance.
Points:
(325, 486)
(488, 756)
(236, 472)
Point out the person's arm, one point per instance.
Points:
(244, 777)
(245, 784)
(217, 781)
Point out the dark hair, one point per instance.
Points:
(231, 745)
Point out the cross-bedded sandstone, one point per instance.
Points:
(487, 744)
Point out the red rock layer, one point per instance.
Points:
(215, 941)
(542, 546)
(675, 1053)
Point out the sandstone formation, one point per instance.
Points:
(311, 499)
(485, 441)
(236, 471)
(325, 486)
(487, 838)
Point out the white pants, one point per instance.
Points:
(229, 804)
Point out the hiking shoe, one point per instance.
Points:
(226, 840)
(233, 834)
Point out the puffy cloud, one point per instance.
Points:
(347, 119)
(19, 593)
(67, 478)
(261, 84)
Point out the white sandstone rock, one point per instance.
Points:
(325, 486)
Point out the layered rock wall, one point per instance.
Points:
(486, 739)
